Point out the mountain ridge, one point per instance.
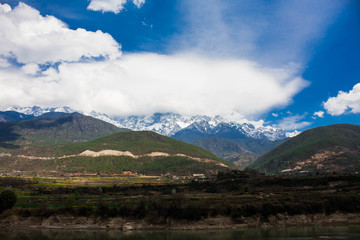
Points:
(255, 137)
(65, 129)
(133, 152)
(333, 148)
(166, 123)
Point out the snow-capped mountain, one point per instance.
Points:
(37, 111)
(165, 123)
(102, 117)
(171, 123)
(238, 142)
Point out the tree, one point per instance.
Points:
(7, 199)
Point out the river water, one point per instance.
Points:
(292, 233)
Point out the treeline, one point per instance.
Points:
(235, 194)
(180, 208)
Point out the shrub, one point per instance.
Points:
(85, 211)
(7, 200)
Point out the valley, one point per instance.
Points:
(234, 199)
(74, 170)
(179, 115)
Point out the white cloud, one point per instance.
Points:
(112, 5)
(4, 63)
(319, 114)
(147, 83)
(5, 8)
(344, 102)
(292, 123)
(130, 84)
(275, 114)
(31, 69)
(33, 38)
(138, 3)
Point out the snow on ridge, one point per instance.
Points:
(37, 111)
(170, 123)
(292, 134)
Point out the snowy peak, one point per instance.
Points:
(238, 130)
(165, 123)
(171, 123)
(37, 111)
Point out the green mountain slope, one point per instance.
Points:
(138, 143)
(155, 154)
(334, 148)
(66, 129)
(145, 153)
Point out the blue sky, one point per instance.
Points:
(281, 62)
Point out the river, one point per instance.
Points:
(292, 233)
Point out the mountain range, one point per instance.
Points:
(254, 139)
(52, 134)
(168, 124)
(60, 144)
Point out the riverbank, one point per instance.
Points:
(12, 219)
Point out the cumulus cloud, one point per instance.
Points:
(344, 102)
(31, 69)
(5, 8)
(293, 123)
(147, 83)
(127, 84)
(112, 5)
(32, 38)
(319, 114)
